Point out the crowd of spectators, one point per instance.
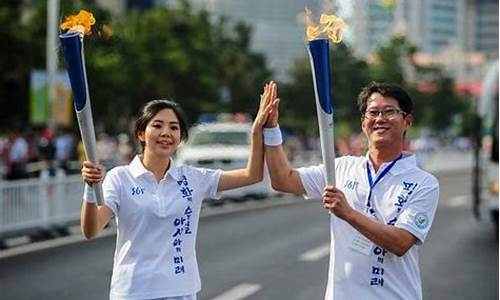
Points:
(42, 152)
(28, 154)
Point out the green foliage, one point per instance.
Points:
(348, 75)
(187, 56)
(243, 72)
(390, 60)
(436, 108)
(151, 56)
(178, 54)
(439, 109)
(165, 52)
(14, 65)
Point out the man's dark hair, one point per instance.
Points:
(387, 90)
(150, 109)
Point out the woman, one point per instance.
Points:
(157, 204)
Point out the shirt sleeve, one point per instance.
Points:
(313, 180)
(418, 215)
(111, 191)
(208, 182)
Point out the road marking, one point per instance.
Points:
(316, 253)
(240, 291)
(16, 241)
(457, 201)
(52, 243)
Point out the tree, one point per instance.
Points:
(440, 106)
(348, 75)
(164, 52)
(391, 60)
(436, 106)
(178, 54)
(242, 71)
(23, 32)
(15, 65)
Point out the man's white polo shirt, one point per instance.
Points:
(405, 197)
(157, 223)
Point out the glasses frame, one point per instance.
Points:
(382, 113)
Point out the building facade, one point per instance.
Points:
(462, 35)
(278, 27)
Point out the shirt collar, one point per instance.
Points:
(137, 168)
(407, 162)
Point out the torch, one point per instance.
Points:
(318, 49)
(72, 46)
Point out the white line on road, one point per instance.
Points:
(458, 201)
(240, 291)
(51, 243)
(316, 253)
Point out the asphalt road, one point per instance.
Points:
(275, 252)
(460, 257)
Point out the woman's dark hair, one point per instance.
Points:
(150, 109)
(386, 90)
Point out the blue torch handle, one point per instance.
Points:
(321, 66)
(72, 47)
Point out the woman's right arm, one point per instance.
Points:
(93, 218)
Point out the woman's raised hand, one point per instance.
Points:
(268, 105)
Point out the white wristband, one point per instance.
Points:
(272, 136)
(88, 194)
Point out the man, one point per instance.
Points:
(382, 207)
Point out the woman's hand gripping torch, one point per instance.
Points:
(72, 46)
(318, 49)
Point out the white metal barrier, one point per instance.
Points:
(28, 205)
(42, 203)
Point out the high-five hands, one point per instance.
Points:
(267, 106)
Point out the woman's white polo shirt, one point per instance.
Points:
(157, 223)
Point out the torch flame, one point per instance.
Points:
(330, 25)
(81, 23)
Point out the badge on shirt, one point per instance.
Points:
(421, 220)
(361, 244)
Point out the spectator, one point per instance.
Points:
(17, 156)
(64, 144)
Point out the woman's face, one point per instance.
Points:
(162, 134)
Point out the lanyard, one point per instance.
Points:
(369, 207)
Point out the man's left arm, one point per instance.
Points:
(393, 239)
(412, 225)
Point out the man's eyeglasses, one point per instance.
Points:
(388, 113)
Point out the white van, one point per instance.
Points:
(223, 146)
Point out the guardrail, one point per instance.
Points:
(30, 205)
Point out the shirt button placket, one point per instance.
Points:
(154, 195)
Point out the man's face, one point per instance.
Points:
(384, 123)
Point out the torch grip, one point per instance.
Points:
(326, 129)
(87, 132)
(97, 187)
